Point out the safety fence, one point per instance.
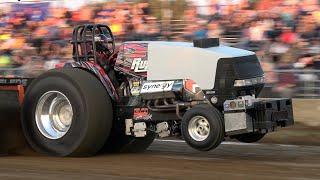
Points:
(32, 68)
(304, 83)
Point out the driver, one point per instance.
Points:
(104, 52)
(105, 56)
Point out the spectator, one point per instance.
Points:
(287, 32)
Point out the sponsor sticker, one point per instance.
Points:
(141, 114)
(13, 81)
(160, 86)
(210, 92)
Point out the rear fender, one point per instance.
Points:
(96, 70)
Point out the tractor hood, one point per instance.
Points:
(177, 60)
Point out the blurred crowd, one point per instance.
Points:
(284, 33)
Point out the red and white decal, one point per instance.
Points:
(132, 58)
(141, 114)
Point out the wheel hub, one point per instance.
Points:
(199, 128)
(54, 114)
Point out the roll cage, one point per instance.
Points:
(84, 41)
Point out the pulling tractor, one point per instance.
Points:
(119, 99)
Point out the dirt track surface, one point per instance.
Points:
(174, 160)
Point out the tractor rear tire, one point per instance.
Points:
(80, 130)
(202, 127)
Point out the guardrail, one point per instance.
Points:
(31, 69)
(303, 83)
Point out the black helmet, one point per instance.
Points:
(103, 43)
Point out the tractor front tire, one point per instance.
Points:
(202, 127)
(67, 112)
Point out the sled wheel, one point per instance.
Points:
(202, 127)
(67, 112)
(249, 137)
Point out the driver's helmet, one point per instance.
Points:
(101, 41)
